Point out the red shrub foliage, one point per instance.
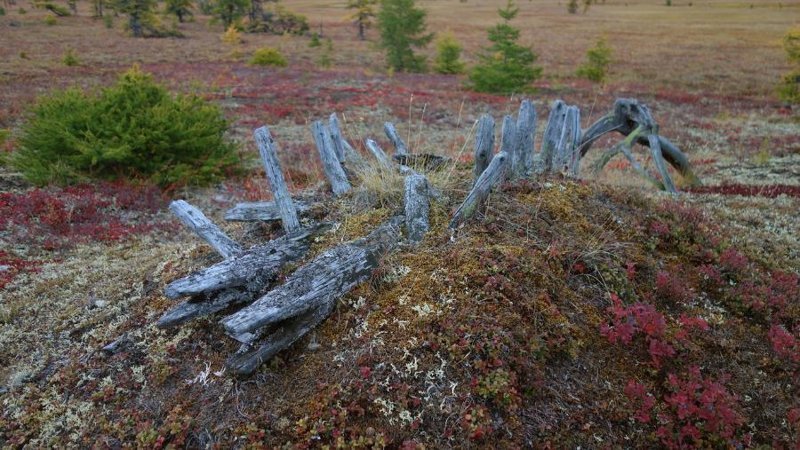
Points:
(699, 409)
(771, 190)
(672, 287)
(784, 343)
(56, 218)
(639, 318)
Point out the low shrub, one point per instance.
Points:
(50, 21)
(789, 89)
(70, 59)
(448, 56)
(133, 129)
(268, 56)
(598, 58)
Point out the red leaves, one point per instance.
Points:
(639, 318)
(57, 218)
(785, 344)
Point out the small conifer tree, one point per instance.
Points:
(598, 59)
(364, 12)
(448, 56)
(505, 66)
(182, 9)
(402, 28)
(230, 11)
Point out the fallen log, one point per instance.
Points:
(283, 200)
(204, 306)
(329, 276)
(494, 174)
(261, 211)
(252, 267)
(417, 207)
(484, 144)
(279, 337)
(206, 229)
(330, 162)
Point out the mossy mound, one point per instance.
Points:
(565, 315)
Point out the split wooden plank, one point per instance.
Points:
(277, 184)
(261, 211)
(329, 276)
(417, 207)
(206, 229)
(400, 147)
(279, 337)
(330, 162)
(484, 144)
(349, 156)
(247, 268)
(494, 174)
(378, 153)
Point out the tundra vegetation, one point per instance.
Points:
(566, 306)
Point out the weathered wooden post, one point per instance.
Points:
(508, 142)
(330, 163)
(417, 207)
(283, 200)
(400, 148)
(261, 211)
(494, 174)
(378, 153)
(552, 134)
(526, 136)
(206, 229)
(484, 144)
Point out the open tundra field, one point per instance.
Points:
(595, 312)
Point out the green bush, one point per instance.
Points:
(70, 59)
(50, 20)
(505, 67)
(133, 129)
(598, 58)
(268, 56)
(448, 56)
(2, 11)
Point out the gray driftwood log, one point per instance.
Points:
(494, 174)
(330, 162)
(206, 229)
(629, 116)
(329, 276)
(565, 151)
(278, 337)
(378, 153)
(252, 267)
(261, 211)
(283, 200)
(417, 207)
(484, 144)
(400, 147)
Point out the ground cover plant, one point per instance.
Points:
(591, 312)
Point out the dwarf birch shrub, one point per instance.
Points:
(133, 129)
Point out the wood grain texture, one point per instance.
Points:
(196, 221)
(283, 200)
